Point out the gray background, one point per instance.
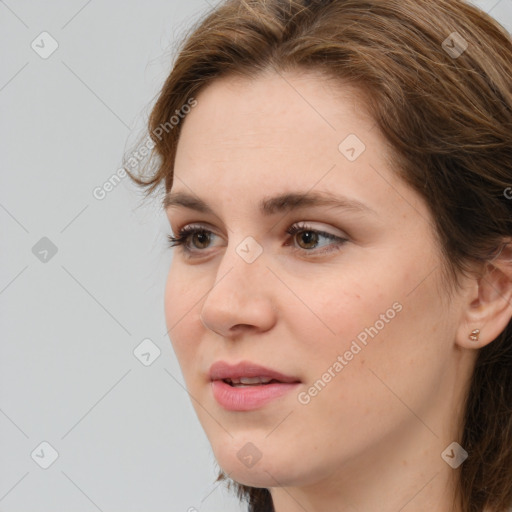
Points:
(125, 432)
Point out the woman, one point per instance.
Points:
(340, 298)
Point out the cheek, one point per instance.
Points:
(375, 322)
(182, 308)
(174, 290)
(337, 310)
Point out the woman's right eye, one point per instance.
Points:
(198, 237)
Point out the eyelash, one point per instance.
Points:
(188, 231)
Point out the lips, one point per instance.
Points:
(246, 386)
(248, 374)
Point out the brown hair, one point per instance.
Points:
(447, 112)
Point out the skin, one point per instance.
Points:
(372, 438)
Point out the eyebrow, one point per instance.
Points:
(272, 205)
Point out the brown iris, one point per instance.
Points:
(310, 239)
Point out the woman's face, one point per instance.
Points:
(349, 304)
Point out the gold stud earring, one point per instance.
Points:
(475, 333)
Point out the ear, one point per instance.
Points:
(489, 304)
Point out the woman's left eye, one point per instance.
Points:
(306, 239)
(309, 239)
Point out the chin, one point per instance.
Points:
(273, 470)
(254, 478)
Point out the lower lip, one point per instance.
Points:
(248, 398)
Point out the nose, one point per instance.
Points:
(240, 300)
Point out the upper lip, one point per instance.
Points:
(221, 370)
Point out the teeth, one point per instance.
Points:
(250, 381)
